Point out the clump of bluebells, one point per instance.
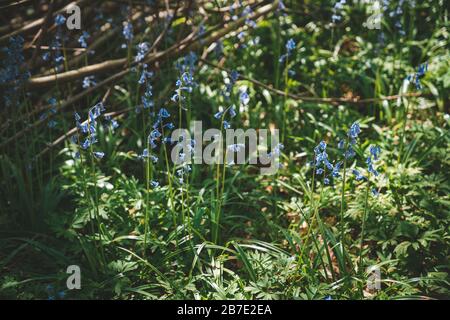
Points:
(415, 77)
(147, 97)
(323, 166)
(12, 73)
(127, 33)
(89, 129)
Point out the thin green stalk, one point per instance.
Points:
(366, 202)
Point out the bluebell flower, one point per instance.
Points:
(46, 56)
(341, 144)
(232, 112)
(226, 125)
(98, 155)
(163, 113)
(143, 49)
(83, 39)
(290, 46)
(244, 97)
(127, 31)
(375, 151)
(60, 19)
(218, 115)
(358, 175)
(154, 183)
(89, 81)
(354, 131)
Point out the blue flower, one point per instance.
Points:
(60, 19)
(163, 113)
(226, 125)
(218, 115)
(244, 97)
(127, 31)
(83, 38)
(143, 48)
(89, 81)
(154, 183)
(358, 175)
(232, 112)
(98, 155)
(290, 45)
(354, 131)
(375, 192)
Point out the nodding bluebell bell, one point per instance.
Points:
(358, 175)
(163, 113)
(83, 39)
(89, 81)
(375, 151)
(335, 172)
(290, 46)
(145, 75)
(46, 56)
(244, 98)
(354, 130)
(143, 49)
(232, 112)
(98, 154)
(114, 124)
(218, 115)
(127, 31)
(154, 184)
(60, 19)
(226, 125)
